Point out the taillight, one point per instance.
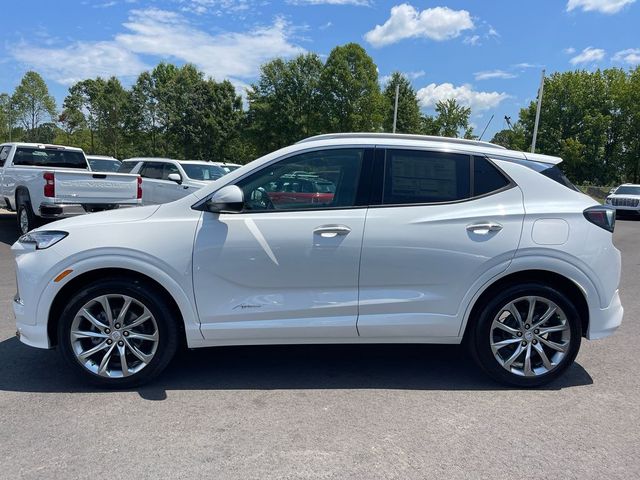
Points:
(139, 187)
(49, 184)
(602, 216)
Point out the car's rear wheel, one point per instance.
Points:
(118, 333)
(527, 335)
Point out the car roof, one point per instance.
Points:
(43, 145)
(102, 157)
(421, 141)
(168, 160)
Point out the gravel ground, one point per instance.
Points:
(387, 412)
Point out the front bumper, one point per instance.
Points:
(32, 335)
(604, 321)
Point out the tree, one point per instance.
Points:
(6, 120)
(285, 104)
(513, 139)
(32, 103)
(452, 118)
(409, 120)
(350, 91)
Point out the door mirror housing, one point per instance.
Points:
(175, 177)
(229, 199)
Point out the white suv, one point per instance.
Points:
(625, 199)
(166, 180)
(403, 239)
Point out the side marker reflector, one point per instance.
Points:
(62, 275)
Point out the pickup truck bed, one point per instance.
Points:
(52, 181)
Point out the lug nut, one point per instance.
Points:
(527, 326)
(524, 343)
(519, 334)
(109, 341)
(536, 331)
(117, 325)
(107, 330)
(126, 334)
(535, 341)
(121, 343)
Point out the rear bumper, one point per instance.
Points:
(604, 321)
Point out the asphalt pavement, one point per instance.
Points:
(324, 412)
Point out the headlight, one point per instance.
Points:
(607, 200)
(43, 239)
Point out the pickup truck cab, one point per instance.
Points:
(53, 181)
(166, 179)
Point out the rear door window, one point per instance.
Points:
(49, 157)
(152, 170)
(126, 167)
(418, 176)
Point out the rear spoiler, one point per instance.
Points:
(538, 157)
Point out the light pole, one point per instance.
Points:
(395, 108)
(535, 127)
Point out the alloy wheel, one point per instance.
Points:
(530, 336)
(114, 336)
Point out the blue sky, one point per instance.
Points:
(486, 54)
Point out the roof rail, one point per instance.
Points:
(402, 136)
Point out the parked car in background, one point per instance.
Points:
(53, 181)
(625, 199)
(423, 240)
(166, 180)
(103, 163)
(227, 167)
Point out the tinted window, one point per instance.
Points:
(627, 190)
(486, 177)
(104, 165)
(152, 170)
(168, 169)
(4, 154)
(126, 167)
(550, 171)
(413, 176)
(323, 179)
(203, 172)
(49, 157)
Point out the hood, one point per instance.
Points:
(121, 215)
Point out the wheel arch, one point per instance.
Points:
(546, 277)
(66, 292)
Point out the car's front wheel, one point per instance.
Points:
(527, 335)
(118, 333)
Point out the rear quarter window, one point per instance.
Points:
(126, 167)
(486, 177)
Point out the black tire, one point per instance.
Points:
(24, 210)
(479, 338)
(167, 329)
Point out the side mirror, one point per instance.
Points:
(229, 199)
(175, 177)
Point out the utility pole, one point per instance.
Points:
(535, 127)
(395, 108)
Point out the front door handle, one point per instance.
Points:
(484, 228)
(330, 231)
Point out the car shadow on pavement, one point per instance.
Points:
(8, 229)
(406, 367)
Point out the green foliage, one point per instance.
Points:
(351, 98)
(409, 120)
(32, 105)
(452, 118)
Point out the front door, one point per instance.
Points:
(286, 267)
(444, 223)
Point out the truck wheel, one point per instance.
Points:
(26, 218)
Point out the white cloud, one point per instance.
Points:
(359, 3)
(473, 40)
(410, 75)
(216, 7)
(588, 55)
(630, 56)
(166, 35)
(569, 50)
(602, 6)
(81, 60)
(527, 65)
(491, 74)
(464, 94)
(438, 23)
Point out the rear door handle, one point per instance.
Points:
(484, 228)
(330, 231)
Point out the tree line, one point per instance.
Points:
(591, 119)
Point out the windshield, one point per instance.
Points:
(627, 190)
(202, 172)
(104, 165)
(52, 157)
(229, 168)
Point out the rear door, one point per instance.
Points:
(168, 190)
(443, 223)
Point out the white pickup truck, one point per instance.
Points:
(53, 181)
